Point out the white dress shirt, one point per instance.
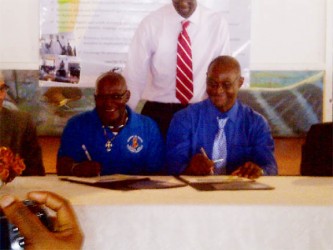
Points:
(150, 71)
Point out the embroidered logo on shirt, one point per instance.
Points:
(135, 144)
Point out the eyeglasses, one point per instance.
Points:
(4, 88)
(227, 85)
(113, 97)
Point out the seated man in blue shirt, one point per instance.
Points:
(194, 144)
(110, 139)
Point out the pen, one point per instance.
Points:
(86, 152)
(218, 160)
(202, 150)
(205, 154)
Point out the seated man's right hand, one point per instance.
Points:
(86, 169)
(67, 166)
(199, 165)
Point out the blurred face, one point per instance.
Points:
(185, 8)
(111, 98)
(3, 92)
(223, 84)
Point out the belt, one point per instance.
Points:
(168, 106)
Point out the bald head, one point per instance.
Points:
(225, 62)
(110, 78)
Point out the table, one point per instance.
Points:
(297, 214)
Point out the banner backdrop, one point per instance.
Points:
(80, 39)
(291, 101)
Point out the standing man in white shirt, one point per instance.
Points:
(152, 59)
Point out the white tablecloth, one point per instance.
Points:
(297, 214)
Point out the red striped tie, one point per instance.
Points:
(184, 75)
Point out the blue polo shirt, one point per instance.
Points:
(138, 149)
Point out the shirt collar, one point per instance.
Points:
(195, 17)
(231, 114)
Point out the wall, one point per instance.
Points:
(294, 35)
(286, 35)
(19, 29)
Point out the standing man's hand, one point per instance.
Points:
(67, 234)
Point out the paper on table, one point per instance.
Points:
(223, 182)
(156, 184)
(104, 178)
(213, 179)
(127, 182)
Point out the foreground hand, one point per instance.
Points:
(199, 165)
(248, 170)
(68, 234)
(86, 169)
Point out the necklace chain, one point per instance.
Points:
(108, 144)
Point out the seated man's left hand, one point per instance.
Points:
(248, 170)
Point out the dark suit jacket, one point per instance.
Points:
(317, 151)
(18, 133)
